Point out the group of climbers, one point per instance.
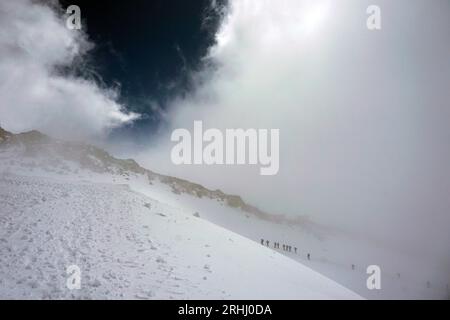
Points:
(284, 247)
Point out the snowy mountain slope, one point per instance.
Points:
(71, 204)
(341, 256)
(129, 246)
(34, 152)
(337, 254)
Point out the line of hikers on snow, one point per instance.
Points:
(285, 247)
(288, 248)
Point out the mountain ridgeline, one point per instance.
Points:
(53, 154)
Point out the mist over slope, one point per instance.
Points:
(59, 156)
(335, 253)
(67, 204)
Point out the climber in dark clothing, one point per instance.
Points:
(262, 241)
(309, 256)
(267, 242)
(295, 249)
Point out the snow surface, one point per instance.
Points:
(131, 246)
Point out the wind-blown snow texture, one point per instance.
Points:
(58, 212)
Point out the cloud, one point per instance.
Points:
(363, 140)
(35, 46)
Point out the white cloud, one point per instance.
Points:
(34, 42)
(363, 140)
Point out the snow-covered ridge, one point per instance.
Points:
(39, 148)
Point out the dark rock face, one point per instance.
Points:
(4, 135)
